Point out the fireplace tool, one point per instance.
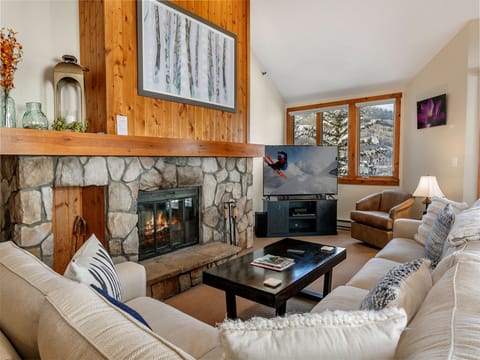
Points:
(229, 217)
(79, 232)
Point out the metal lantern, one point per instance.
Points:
(69, 85)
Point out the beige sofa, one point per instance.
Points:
(45, 315)
(447, 323)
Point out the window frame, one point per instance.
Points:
(353, 176)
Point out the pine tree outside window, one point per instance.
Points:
(376, 139)
(366, 131)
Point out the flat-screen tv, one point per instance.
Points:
(299, 170)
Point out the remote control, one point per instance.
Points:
(327, 249)
(272, 282)
(295, 251)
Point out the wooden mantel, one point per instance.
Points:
(16, 141)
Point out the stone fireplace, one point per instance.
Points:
(28, 183)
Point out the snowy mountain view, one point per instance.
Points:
(310, 170)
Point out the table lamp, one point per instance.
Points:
(428, 187)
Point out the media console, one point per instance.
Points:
(300, 217)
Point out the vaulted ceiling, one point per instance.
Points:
(313, 49)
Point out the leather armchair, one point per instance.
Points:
(374, 215)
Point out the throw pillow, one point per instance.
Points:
(337, 335)
(476, 203)
(92, 265)
(122, 306)
(466, 227)
(436, 238)
(433, 210)
(405, 286)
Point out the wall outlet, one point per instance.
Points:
(122, 125)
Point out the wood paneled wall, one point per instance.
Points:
(108, 46)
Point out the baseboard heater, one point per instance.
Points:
(344, 224)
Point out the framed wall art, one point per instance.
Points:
(184, 58)
(432, 112)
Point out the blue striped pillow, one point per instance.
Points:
(92, 265)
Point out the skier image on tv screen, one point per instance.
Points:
(307, 170)
(282, 161)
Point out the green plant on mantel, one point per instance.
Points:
(76, 126)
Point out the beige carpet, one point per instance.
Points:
(208, 304)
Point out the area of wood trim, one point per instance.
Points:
(16, 141)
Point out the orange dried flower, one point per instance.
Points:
(10, 56)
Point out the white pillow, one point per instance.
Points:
(466, 227)
(327, 335)
(404, 286)
(92, 265)
(433, 210)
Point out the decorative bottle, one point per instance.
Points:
(8, 114)
(34, 118)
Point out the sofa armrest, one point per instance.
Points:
(369, 202)
(405, 228)
(402, 210)
(7, 351)
(133, 279)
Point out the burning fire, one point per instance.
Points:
(162, 222)
(162, 225)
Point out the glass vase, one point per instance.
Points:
(8, 114)
(34, 118)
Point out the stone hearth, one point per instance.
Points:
(27, 184)
(173, 273)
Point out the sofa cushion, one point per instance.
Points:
(371, 272)
(335, 335)
(172, 325)
(433, 210)
(403, 286)
(77, 323)
(468, 251)
(342, 298)
(466, 227)
(92, 265)
(451, 260)
(447, 325)
(7, 352)
(121, 306)
(25, 281)
(401, 250)
(435, 242)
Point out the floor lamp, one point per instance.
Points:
(428, 187)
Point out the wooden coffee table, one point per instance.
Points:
(238, 277)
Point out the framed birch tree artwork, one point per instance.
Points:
(184, 58)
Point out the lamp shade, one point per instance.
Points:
(428, 187)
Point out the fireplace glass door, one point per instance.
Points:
(168, 220)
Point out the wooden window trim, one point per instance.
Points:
(353, 137)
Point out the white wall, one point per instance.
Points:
(449, 152)
(267, 122)
(47, 29)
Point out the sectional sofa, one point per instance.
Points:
(44, 315)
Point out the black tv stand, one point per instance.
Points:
(301, 217)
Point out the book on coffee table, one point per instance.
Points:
(273, 262)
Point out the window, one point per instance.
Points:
(366, 131)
